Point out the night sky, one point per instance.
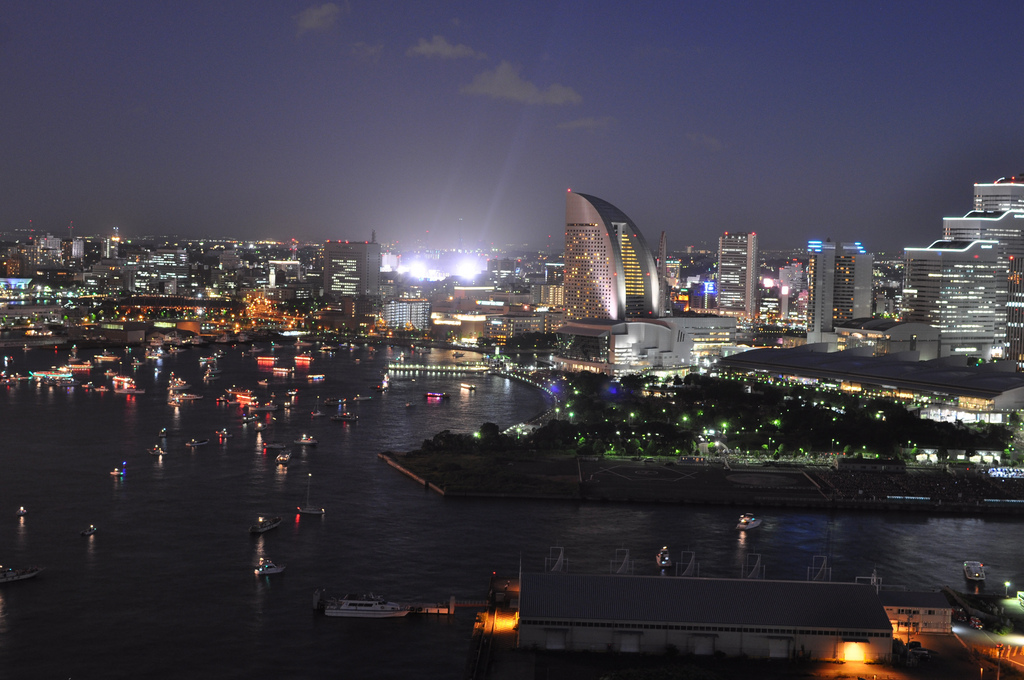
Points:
(434, 121)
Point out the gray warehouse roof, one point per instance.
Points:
(949, 375)
(798, 604)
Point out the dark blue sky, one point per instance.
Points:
(857, 121)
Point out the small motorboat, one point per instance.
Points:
(21, 511)
(664, 558)
(748, 521)
(974, 571)
(274, 445)
(192, 443)
(267, 567)
(345, 417)
(90, 531)
(284, 457)
(264, 524)
(223, 433)
(119, 472)
(306, 440)
(156, 451)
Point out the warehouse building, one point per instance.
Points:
(749, 617)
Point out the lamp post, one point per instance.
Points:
(999, 659)
(1006, 588)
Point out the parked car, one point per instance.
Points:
(914, 645)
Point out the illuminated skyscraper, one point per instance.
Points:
(351, 269)
(610, 272)
(998, 216)
(951, 285)
(839, 286)
(737, 274)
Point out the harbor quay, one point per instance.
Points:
(924, 490)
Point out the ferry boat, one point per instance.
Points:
(264, 524)
(974, 571)
(664, 558)
(124, 384)
(363, 607)
(748, 521)
(8, 574)
(106, 355)
(177, 384)
(267, 567)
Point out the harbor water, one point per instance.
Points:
(165, 588)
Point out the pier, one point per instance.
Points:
(450, 369)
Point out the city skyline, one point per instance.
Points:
(448, 123)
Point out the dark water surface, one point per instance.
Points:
(165, 588)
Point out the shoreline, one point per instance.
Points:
(784, 497)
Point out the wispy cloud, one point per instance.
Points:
(365, 52)
(320, 18)
(589, 124)
(504, 82)
(704, 141)
(442, 49)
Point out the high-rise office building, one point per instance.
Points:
(738, 274)
(610, 272)
(951, 285)
(839, 286)
(1015, 313)
(351, 269)
(998, 216)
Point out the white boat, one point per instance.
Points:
(361, 398)
(974, 571)
(306, 440)
(284, 457)
(267, 567)
(21, 511)
(90, 531)
(119, 472)
(8, 574)
(664, 558)
(264, 524)
(364, 607)
(748, 521)
(308, 509)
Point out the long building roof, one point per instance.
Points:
(947, 376)
(741, 602)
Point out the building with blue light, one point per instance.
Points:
(839, 286)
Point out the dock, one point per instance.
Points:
(450, 369)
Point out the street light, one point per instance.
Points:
(1006, 589)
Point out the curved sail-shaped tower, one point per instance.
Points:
(610, 272)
